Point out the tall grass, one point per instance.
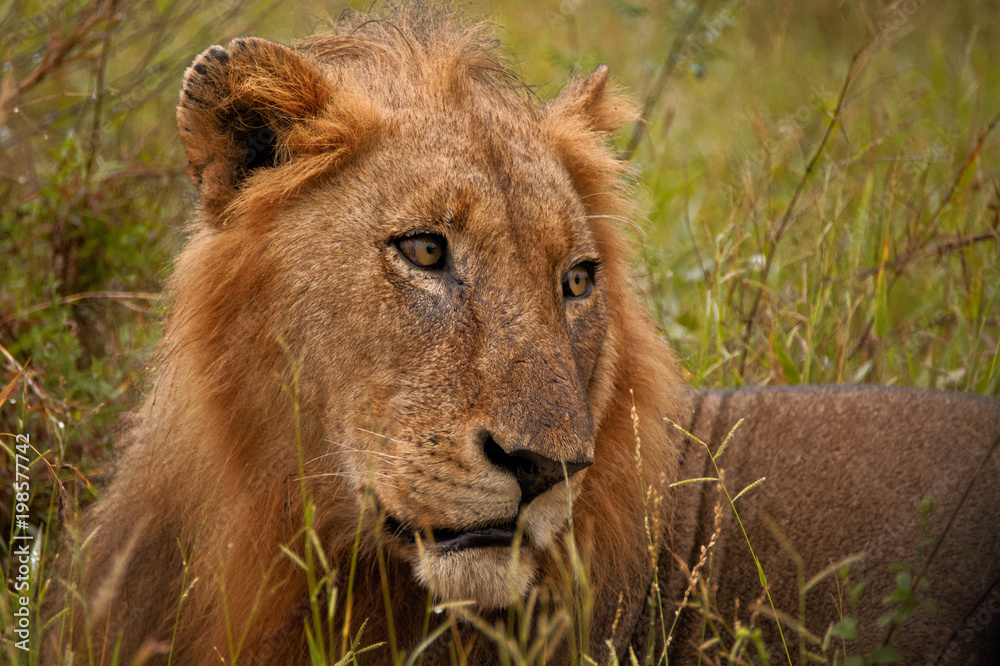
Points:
(820, 187)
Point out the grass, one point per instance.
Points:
(720, 480)
(820, 186)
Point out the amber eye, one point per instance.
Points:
(423, 250)
(578, 281)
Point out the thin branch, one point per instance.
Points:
(55, 56)
(951, 519)
(660, 84)
(857, 63)
(939, 250)
(970, 159)
(958, 242)
(101, 68)
(123, 296)
(43, 397)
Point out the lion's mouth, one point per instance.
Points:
(448, 540)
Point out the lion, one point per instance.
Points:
(405, 369)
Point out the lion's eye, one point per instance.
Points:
(423, 250)
(578, 281)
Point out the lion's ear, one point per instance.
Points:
(579, 121)
(259, 105)
(593, 100)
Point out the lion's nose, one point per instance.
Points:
(533, 472)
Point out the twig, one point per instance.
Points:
(673, 57)
(939, 250)
(54, 57)
(970, 159)
(857, 62)
(951, 519)
(123, 296)
(101, 67)
(958, 242)
(43, 397)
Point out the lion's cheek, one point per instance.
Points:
(492, 577)
(421, 491)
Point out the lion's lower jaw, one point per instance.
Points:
(492, 577)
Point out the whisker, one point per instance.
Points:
(382, 436)
(375, 453)
(623, 220)
(325, 455)
(320, 475)
(351, 450)
(616, 218)
(345, 476)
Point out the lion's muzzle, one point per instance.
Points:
(533, 472)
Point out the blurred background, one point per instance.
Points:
(818, 182)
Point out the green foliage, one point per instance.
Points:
(797, 235)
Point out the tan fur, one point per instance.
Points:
(847, 468)
(304, 357)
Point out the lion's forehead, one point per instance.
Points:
(467, 152)
(505, 188)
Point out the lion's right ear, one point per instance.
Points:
(260, 105)
(579, 121)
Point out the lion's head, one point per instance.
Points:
(405, 288)
(420, 235)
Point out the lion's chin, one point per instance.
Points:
(492, 577)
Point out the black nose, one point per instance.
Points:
(533, 472)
